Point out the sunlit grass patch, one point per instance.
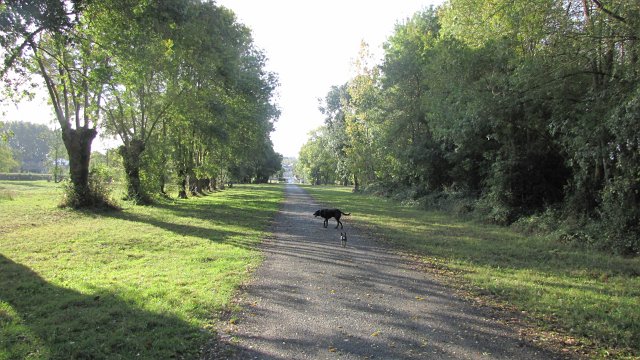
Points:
(147, 281)
(585, 294)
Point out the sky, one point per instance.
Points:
(310, 44)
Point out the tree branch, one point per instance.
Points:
(608, 12)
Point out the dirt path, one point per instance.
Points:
(313, 299)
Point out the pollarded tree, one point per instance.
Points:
(142, 89)
(75, 72)
(51, 39)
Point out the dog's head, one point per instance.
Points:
(317, 213)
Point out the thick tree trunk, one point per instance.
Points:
(131, 154)
(78, 144)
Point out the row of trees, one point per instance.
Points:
(30, 148)
(179, 82)
(523, 107)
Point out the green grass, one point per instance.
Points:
(146, 282)
(589, 296)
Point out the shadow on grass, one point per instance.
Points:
(221, 236)
(49, 321)
(442, 235)
(587, 291)
(236, 206)
(233, 219)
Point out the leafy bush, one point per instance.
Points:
(98, 192)
(620, 216)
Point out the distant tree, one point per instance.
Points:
(334, 107)
(7, 161)
(316, 162)
(30, 144)
(58, 158)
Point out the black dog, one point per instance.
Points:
(343, 239)
(331, 213)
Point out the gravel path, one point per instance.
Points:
(313, 299)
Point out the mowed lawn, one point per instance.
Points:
(592, 299)
(145, 282)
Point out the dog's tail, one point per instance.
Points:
(344, 213)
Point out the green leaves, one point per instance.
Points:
(519, 106)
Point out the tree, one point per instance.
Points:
(141, 90)
(30, 144)
(7, 161)
(316, 160)
(417, 159)
(334, 107)
(57, 157)
(52, 39)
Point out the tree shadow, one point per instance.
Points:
(220, 236)
(439, 234)
(43, 320)
(314, 299)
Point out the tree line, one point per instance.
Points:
(179, 82)
(30, 148)
(517, 111)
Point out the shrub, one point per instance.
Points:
(97, 195)
(620, 216)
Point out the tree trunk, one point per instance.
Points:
(131, 154)
(193, 186)
(183, 185)
(203, 184)
(78, 144)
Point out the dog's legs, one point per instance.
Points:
(339, 224)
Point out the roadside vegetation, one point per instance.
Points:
(512, 108)
(144, 282)
(590, 299)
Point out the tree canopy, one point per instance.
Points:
(514, 108)
(180, 83)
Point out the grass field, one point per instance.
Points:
(592, 298)
(151, 281)
(145, 282)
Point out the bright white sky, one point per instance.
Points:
(310, 44)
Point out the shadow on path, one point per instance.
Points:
(313, 299)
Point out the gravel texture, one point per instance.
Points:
(313, 299)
